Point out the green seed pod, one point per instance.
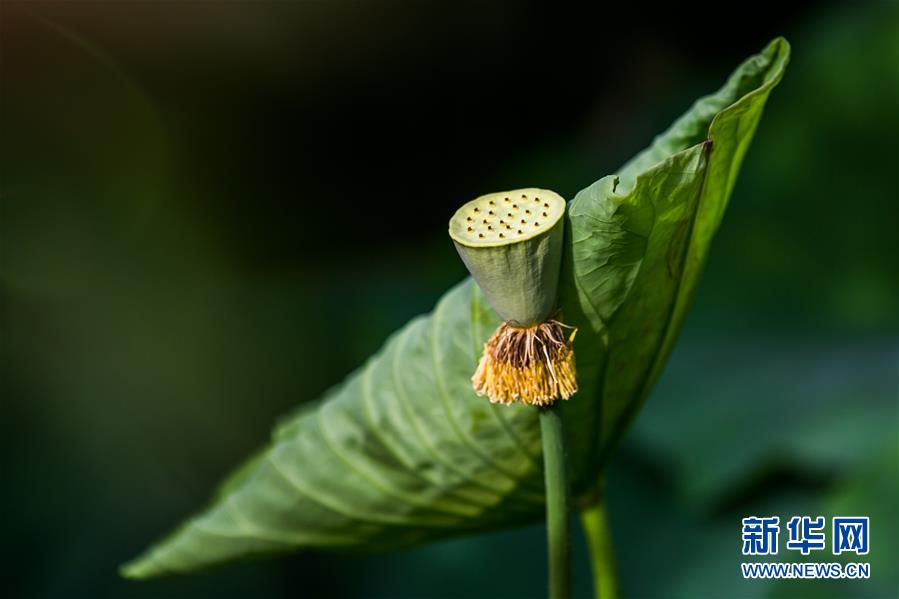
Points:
(511, 243)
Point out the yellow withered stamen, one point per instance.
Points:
(533, 365)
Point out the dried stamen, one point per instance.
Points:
(533, 365)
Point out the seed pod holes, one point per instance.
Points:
(478, 223)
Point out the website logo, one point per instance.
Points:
(806, 535)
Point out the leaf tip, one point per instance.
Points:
(779, 47)
(139, 568)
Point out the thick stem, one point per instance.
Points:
(602, 554)
(558, 500)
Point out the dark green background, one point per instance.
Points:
(209, 213)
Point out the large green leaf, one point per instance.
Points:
(403, 451)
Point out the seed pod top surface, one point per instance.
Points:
(506, 217)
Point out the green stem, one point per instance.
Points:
(558, 501)
(602, 553)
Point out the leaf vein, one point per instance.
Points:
(444, 397)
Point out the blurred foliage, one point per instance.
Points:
(152, 328)
(814, 242)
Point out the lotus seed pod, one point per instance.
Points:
(511, 243)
